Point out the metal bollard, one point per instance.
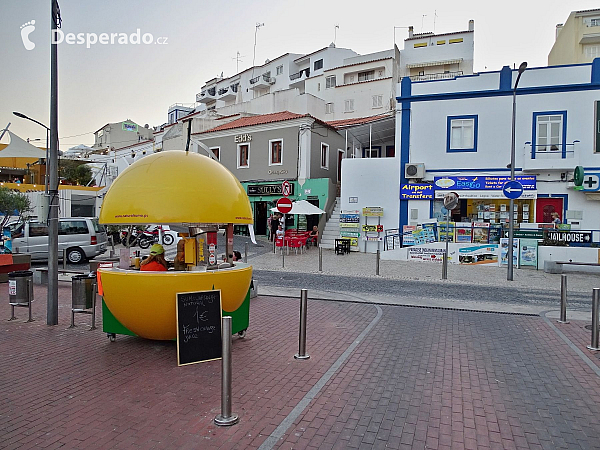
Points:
(29, 289)
(246, 252)
(274, 247)
(563, 299)
(302, 336)
(595, 302)
(320, 259)
(64, 258)
(445, 267)
(377, 262)
(226, 417)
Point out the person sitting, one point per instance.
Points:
(156, 261)
(280, 233)
(179, 262)
(314, 235)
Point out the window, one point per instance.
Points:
(455, 41)
(366, 76)
(591, 51)
(373, 152)
(420, 44)
(279, 70)
(276, 152)
(330, 82)
(243, 156)
(594, 22)
(324, 156)
(461, 134)
(217, 152)
(549, 132)
(377, 101)
(349, 105)
(37, 229)
(328, 108)
(318, 64)
(70, 227)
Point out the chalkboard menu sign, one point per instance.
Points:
(198, 326)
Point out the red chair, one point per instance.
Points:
(296, 244)
(279, 243)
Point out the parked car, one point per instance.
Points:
(82, 237)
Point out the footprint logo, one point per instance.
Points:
(26, 30)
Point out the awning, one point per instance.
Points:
(18, 148)
(434, 63)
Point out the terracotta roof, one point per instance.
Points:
(357, 120)
(262, 119)
(425, 35)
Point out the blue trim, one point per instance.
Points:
(595, 71)
(497, 93)
(449, 120)
(517, 169)
(405, 91)
(505, 79)
(564, 130)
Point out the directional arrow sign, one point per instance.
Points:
(512, 189)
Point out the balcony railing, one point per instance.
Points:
(211, 91)
(295, 76)
(223, 91)
(553, 156)
(255, 80)
(436, 76)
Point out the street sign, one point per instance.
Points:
(284, 205)
(451, 200)
(512, 189)
(286, 188)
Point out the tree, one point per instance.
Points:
(73, 172)
(12, 203)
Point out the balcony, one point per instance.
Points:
(228, 93)
(262, 81)
(555, 157)
(206, 96)
(298, 79)
(436, 76)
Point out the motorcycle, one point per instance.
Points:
(145, 238)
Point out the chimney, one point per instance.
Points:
(471, 25)
(410, 32)
(559, 26)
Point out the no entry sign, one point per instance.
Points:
(284, 205)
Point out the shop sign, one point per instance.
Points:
(353, 241)
(416, 192)
(268, 189)
(527, 234)
(566, 237)
(426, 254)
(349, 225)
(352, 234)
(372, 238)
(490, 194)
(242, 138)
(482, 183)
(377, 228)
(372, 211)
(350, 217)
(278, 172)
(127, 126)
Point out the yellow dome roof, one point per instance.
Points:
(176, 187)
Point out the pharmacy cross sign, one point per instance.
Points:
(590, 182)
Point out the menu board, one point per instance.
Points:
(198, 326)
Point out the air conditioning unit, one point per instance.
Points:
(272, 80)
(414, 170)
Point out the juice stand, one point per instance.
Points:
(185, 189)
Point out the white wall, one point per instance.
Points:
(375, 183)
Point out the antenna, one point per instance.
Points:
(258, 25)
(238, 58)
(434, 17)
(335, 33)
(422, 19)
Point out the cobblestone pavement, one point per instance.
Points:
(377, 377)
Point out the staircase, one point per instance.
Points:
(332, 228)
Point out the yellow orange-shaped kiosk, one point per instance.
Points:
(175, 188)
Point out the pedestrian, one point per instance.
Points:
(269, 221)
(555, 219)
(274, 226)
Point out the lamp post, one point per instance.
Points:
(23, 116)
(511, 212)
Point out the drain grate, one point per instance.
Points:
(589, 327)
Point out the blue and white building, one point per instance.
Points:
(455, 134)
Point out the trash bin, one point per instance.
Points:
(83, 291)
(20, 287)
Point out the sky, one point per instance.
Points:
(113, 82)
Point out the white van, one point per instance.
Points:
(82, 237)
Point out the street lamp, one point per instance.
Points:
(23, 116)
(511, 212)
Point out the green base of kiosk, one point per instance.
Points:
(240, 319)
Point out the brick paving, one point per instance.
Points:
(422, 378)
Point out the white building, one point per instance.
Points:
(459, 130)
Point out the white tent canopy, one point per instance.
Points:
(18, 148)
(302, 207)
